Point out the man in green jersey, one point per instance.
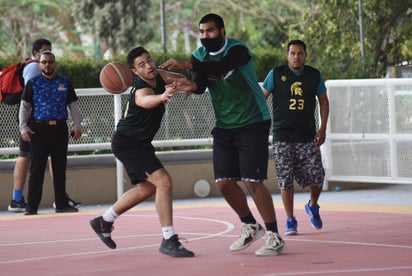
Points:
(240, 136)
(296, 141)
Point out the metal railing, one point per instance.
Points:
(369, 137)
(369, 134)
(187, 122)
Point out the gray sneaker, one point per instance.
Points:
(248, 234)
(274, 245)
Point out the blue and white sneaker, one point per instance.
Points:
(313, 212)
(291, 226)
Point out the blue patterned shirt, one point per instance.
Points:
(49, 97)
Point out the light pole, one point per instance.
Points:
(163, 25)
(361, 35)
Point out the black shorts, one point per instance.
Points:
(24, 148)
(241, 153)
(137, 157)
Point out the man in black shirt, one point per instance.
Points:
(131, 144)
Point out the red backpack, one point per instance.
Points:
(12, 82)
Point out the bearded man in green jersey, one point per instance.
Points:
(240, 136)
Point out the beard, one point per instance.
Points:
(48, 72)
(212, 44)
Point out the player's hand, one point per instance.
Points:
(319, 138)
(171, 89)
(75, 134)
(186, 86)
(26, 136)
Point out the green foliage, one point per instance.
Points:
(118, 25)
(7, 60)
(8, 156)
(266, 59)
(89, 28)
(23, 21)
(83, 72)
(259, 23)
(331, 30)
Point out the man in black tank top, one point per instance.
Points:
(296, 88)
(131, 144)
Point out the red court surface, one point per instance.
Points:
(357, 239)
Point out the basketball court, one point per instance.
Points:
(365, 232)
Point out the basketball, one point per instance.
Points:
(116, 77)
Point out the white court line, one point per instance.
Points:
(342, 271)
(92, 239)
(353, 243)
(229, 227)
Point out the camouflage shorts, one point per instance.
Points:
(298, 161)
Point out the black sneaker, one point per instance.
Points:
(103, 229)
(17, 206)
(174, 248)
(67, 209)
(71, 202)
(30, 212)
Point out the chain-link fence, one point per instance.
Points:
(369, 135)
(187, 122)
(184, 119)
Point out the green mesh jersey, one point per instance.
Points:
(294, 103)
(236, 96)
(138, 121)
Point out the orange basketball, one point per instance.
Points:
(116, 77)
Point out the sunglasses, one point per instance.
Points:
(47, 61)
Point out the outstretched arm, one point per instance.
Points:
(146, 97)
(169, 77)
(236, 57)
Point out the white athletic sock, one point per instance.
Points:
(168, 232)
(110, 215)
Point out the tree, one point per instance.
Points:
(331, 30)
(259, 23)
(23, 21)
(117, 25)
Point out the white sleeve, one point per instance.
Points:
(76, 117)
(24, 115)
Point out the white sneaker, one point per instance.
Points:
(248, 234)
(274, 245)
